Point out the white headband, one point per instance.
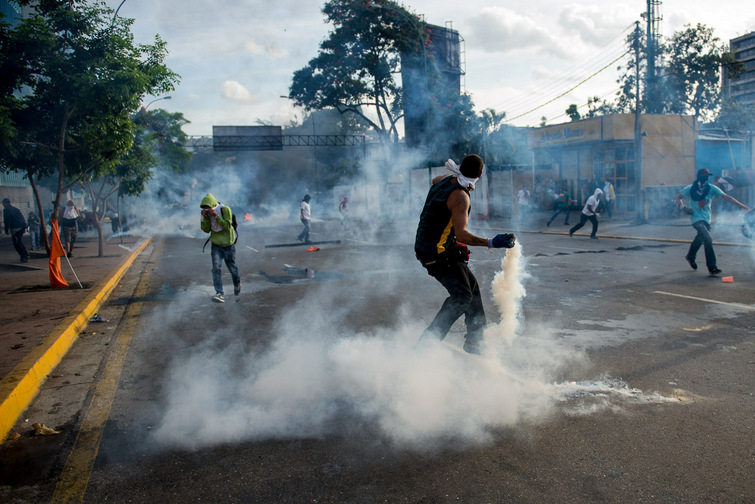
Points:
(465, 182)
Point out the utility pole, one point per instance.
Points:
(653, 18)
(640, 219)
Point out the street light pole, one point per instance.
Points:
(112, 23)
(157, 99)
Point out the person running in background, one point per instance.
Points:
(15, 225)
(562, 202)
(68, 217)
(343, 208)
(700, 194)
(523, 200)
(589, 212)
(305, 215)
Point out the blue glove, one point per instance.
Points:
(507, 240)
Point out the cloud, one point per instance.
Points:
(497, 29)
(253, 47)
(235, 91)
(595, 24)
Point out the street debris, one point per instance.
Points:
(43, 430)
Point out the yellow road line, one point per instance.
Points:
(78, 468)
(22, 384)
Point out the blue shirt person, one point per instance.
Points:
(700, 194)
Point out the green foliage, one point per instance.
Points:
(355, 66)
(695, 57)
(734, 115)
(72, 78)
(573, 112)
(688, 73)
(161, 131)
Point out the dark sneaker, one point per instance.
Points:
(237, 289)
(692, 263)
(571, 233)
(593, 237)
(714, 271)
(218, 298)
(473, 348)
(548, 223)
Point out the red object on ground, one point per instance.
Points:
(728, 279)
(56, 252)
(313, 249)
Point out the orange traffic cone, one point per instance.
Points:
(728, 279)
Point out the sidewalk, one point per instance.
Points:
(34, 316)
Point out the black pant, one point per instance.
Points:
(704, 239)
(582, 220)
(558, 211)
(18, 244)
(464, 299)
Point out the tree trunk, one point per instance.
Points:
(118, 211)
(42, 224)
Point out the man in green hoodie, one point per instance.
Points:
(217, 219)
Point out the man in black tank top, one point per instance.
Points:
(443, 221)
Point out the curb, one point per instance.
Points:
(19, 388)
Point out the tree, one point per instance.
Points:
(573, 112)
(355, 67)
(693, 72)
(158, 139)
(688, 76)
(77, 77)
(735, 115)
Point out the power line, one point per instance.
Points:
(568, 90)
(567, 77)
(579, 107)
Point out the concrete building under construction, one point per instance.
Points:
(426, 78)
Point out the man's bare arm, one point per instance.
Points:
(458, 203)
(733, 201)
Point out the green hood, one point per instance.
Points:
(209, 200)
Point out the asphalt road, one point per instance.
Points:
(629, 379)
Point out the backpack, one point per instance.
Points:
(234, 225)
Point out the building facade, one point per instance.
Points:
(742, 89)
(581, 154)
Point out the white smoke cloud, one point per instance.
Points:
(595, 24)
(235, 91)
(315, 378)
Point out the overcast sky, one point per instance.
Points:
(236, 57)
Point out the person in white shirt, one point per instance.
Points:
(589, 212)
(523, 200)
(306, 219)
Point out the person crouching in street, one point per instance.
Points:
(217, 219)
(15, 226)
(701, 194)
(589, 213)
(442, 222)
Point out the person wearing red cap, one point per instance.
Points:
(700, 194)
